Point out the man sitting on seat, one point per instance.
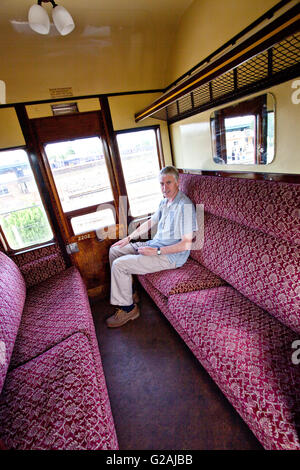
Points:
(170, 247)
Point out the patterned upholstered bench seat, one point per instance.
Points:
(53, 390)
(190, 277)
(239, 312)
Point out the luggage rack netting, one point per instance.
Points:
(275, 65)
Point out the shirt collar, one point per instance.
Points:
(176, 198)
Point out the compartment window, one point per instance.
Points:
(93, 221)
(140, 157)
(23, 220)
(244, 133)
(81, 178)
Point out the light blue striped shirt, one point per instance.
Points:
(174, 221)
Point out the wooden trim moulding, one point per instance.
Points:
(157, 130)
(113, 159)
(87, 210)
(279, 177)
(80, 97)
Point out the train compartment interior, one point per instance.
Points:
(96, 98)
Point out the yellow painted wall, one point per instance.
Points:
(191, 138)
(10, 130)
(123, 109)
(208, 24)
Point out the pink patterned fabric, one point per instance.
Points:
(55, 402)
(246, 352)
(2, 446)
(162, 303)
(32, 255)
(12, 297)
(263, 268)
(189, 277)
(53, 310)
(249, 355)
(269, 206)
(251, 240)
(38, 265)
(54, 395)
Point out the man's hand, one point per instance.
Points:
(147, 251)
(122, 242)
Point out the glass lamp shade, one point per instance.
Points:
(2, 92)
(38, 19)
(62, 20)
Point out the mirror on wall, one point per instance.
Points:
(244, 133)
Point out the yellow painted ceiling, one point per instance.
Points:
(117, 45)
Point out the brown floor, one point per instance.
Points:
(161, 397)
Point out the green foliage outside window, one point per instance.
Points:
(26, 227)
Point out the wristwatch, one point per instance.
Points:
(158, 251)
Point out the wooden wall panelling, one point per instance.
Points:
(92, 259)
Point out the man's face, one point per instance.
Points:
(169, 186)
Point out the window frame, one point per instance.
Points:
(69, 215)
(256, 106)
(156, 129)
(160, 154)
(3, 240)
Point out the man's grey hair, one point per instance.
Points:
(170, 170)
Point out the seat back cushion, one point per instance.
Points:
(264, 269)
(12, 298)
(269, 206)
(252, 240)
(38, 265)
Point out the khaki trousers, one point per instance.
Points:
(126, 261)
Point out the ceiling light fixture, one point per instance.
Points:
(38, 18)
